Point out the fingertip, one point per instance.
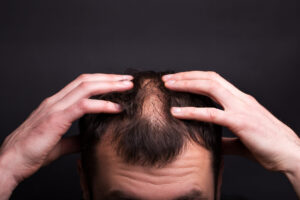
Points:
(127, 77)
(170, 83)
(126, 84)
(167, 77)
(117, 107)
(176, 110)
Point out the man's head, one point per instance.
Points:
(144, 152)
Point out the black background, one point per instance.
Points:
(46, 44)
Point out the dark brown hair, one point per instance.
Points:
(145, 133)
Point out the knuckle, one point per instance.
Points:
(113, 76)
(83, 77)
(55, 121)
(84, 85)
(110, 87)
(185, 84)
(181, 75)
(211, 113)
(251, 98)
(197, 86)
(212, 85)
(47, 101)
(53, 118)
(184, 75)
(213, 74)
(114, 84)
(192, 112)
(83, 104)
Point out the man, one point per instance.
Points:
(146, 153)
(38, 141)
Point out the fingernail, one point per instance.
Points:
(127, 77)
(170, 82)
(118, 106)
(167, 77)
(126, 83)
(176, 110)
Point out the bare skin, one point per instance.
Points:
(191, 171)
(257, 130)
(38, 141)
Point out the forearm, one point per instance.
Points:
(292, 170)
(294, 178)
(7, 185)
(7, 182)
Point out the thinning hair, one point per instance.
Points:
(145, 133)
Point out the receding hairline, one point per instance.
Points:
(108, 139)
(208, 141)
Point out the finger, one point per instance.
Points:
(89, 77)
(189, 75)
(91, 88)
(65, 146)
(206, 114)
(206, 75)
(233, 146)
(85, 106)
(205, 87)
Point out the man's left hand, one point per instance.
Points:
(272, 143)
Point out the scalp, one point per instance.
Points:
(146, 133)
(153, 101)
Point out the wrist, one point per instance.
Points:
(290, 160)
(293, 165)
(293, 176)
(7, 180)
(293, 170)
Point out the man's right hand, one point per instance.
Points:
(38, 140)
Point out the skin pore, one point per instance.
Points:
(188, 177)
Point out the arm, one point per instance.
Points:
(294, 176)
(7, 181)
(257, 130)
(38, 141)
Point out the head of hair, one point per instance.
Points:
(145, 133)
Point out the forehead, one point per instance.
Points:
(190, 171)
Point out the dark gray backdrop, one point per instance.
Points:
(46, 44)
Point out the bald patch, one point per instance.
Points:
(152, 107)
